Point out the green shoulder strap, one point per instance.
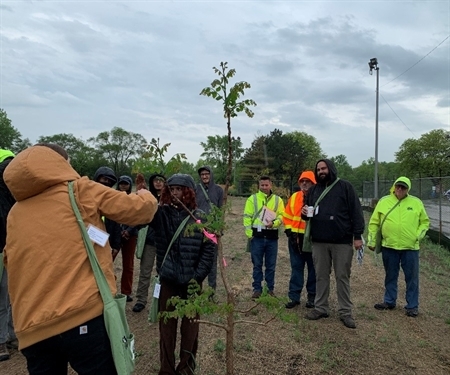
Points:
(176, 234)
(100, 278)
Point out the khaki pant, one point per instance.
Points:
(340, 257)
(147, 262)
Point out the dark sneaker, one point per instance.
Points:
(348, 321)
(12, 344)
(138, 307)
(310, 301)
(383, 306)
(291, 304)
(256, 295)
(271, 293)
(412, 313)
(4, 353)
(129, 298)
(316, 315)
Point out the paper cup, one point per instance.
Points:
(310, 211)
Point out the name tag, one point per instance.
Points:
(97, 235)
(157, 290)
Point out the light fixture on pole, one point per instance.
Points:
(373, 65)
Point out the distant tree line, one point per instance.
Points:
(281, 155)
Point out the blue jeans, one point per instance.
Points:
(409, 261)
(6, 323)
(88, 353)
(264, 252)
(298, 262)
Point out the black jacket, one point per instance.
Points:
(189, 257)
(214, 192)
(133, 231)
(340, 218)
(150, 239)
(6, 202)
(112, 227)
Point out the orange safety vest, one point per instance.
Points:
(292, 213)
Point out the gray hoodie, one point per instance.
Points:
(214, 193)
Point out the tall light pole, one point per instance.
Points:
(373, 65)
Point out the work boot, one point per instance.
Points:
(316, 315)
(310, 301)
(348, 321)
(291, 304)
(256, 295)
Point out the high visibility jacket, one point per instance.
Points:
(292, 213)
(253, 208)
(405, 225)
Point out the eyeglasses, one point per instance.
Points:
(204, 174)
(159, 179)
(401, 187)
(305, 181)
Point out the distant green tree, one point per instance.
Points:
(215, 155)
(283, 156)
(83, 158)
(152, 160)
(428, 156)
(120, 148)
(308, 143)
(343, 167)
(11, 139)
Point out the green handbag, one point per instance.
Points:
(140, 244)
(120, 337)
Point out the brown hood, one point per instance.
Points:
(36, 169)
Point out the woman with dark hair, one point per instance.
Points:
(189, 258)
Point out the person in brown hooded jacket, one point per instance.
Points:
(56, 304)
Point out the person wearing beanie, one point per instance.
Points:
(189, 258)
(209, 194)
(107, 177)
(155, 183)
(295, 230)
(7, 335)
(56, 304)
(128, 244)
(336, 228)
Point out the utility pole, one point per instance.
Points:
(373, 65)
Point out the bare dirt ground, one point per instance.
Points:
(383, 343)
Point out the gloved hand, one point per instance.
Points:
(288, 232)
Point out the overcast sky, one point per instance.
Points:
(83, 67)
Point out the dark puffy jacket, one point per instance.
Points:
(189, 257)
(112, 227)
(6, 202)
(150, 239)
(340, 218)
(131, 230)
(214, 192)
